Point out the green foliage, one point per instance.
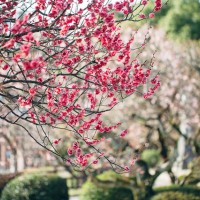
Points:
(194, 177)
(108, 186)
(177, 188)
(151, 157)
(177, 193)
(36, 187)
(175, 196)
(182, 21)
(109, 176)
(91, 191)
(4, 179)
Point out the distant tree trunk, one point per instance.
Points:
(13, 149)
(162, 137)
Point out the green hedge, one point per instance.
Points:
(109, 187)
(91, 191)
(176, 188)
(36, 187)
(175, 196)
(5, 178)
(111, 176)
(177, 193)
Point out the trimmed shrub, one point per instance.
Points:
(91, 191)
(151, 157)
(177, 188)
(110, 176)
(177, 193)
(4, 179)
(109, 187)
(36, 187)
(175, 196)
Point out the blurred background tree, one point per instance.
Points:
(180, 19)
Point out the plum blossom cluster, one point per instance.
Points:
(157, 7)
(64, 63)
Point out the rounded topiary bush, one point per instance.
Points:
(36, 187)
(4, 179)
(91, 191)
(175, 196)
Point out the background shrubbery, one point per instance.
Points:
(177, 193)
(4, 179)
(151, 157)
(36, 187)
(108, 186)
(175, 196)
(91, 191)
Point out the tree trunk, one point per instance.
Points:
(13, 149)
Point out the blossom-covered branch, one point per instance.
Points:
(64, 64)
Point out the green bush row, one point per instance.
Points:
(92, 191)
(110, 187)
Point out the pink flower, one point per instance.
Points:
(32, 91)
(69, 151)
(57, 141)
(142, 16)
(28, 37)
(124, 133)
(151, 15)
(144, 2)
(34, 64)
(57, 90)
(26, 65)
(10, 43)
(16, 57)
(75, 145)
(20, 99)
(25, 48)
(126, 168)
(5, 67)
(95, 162)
